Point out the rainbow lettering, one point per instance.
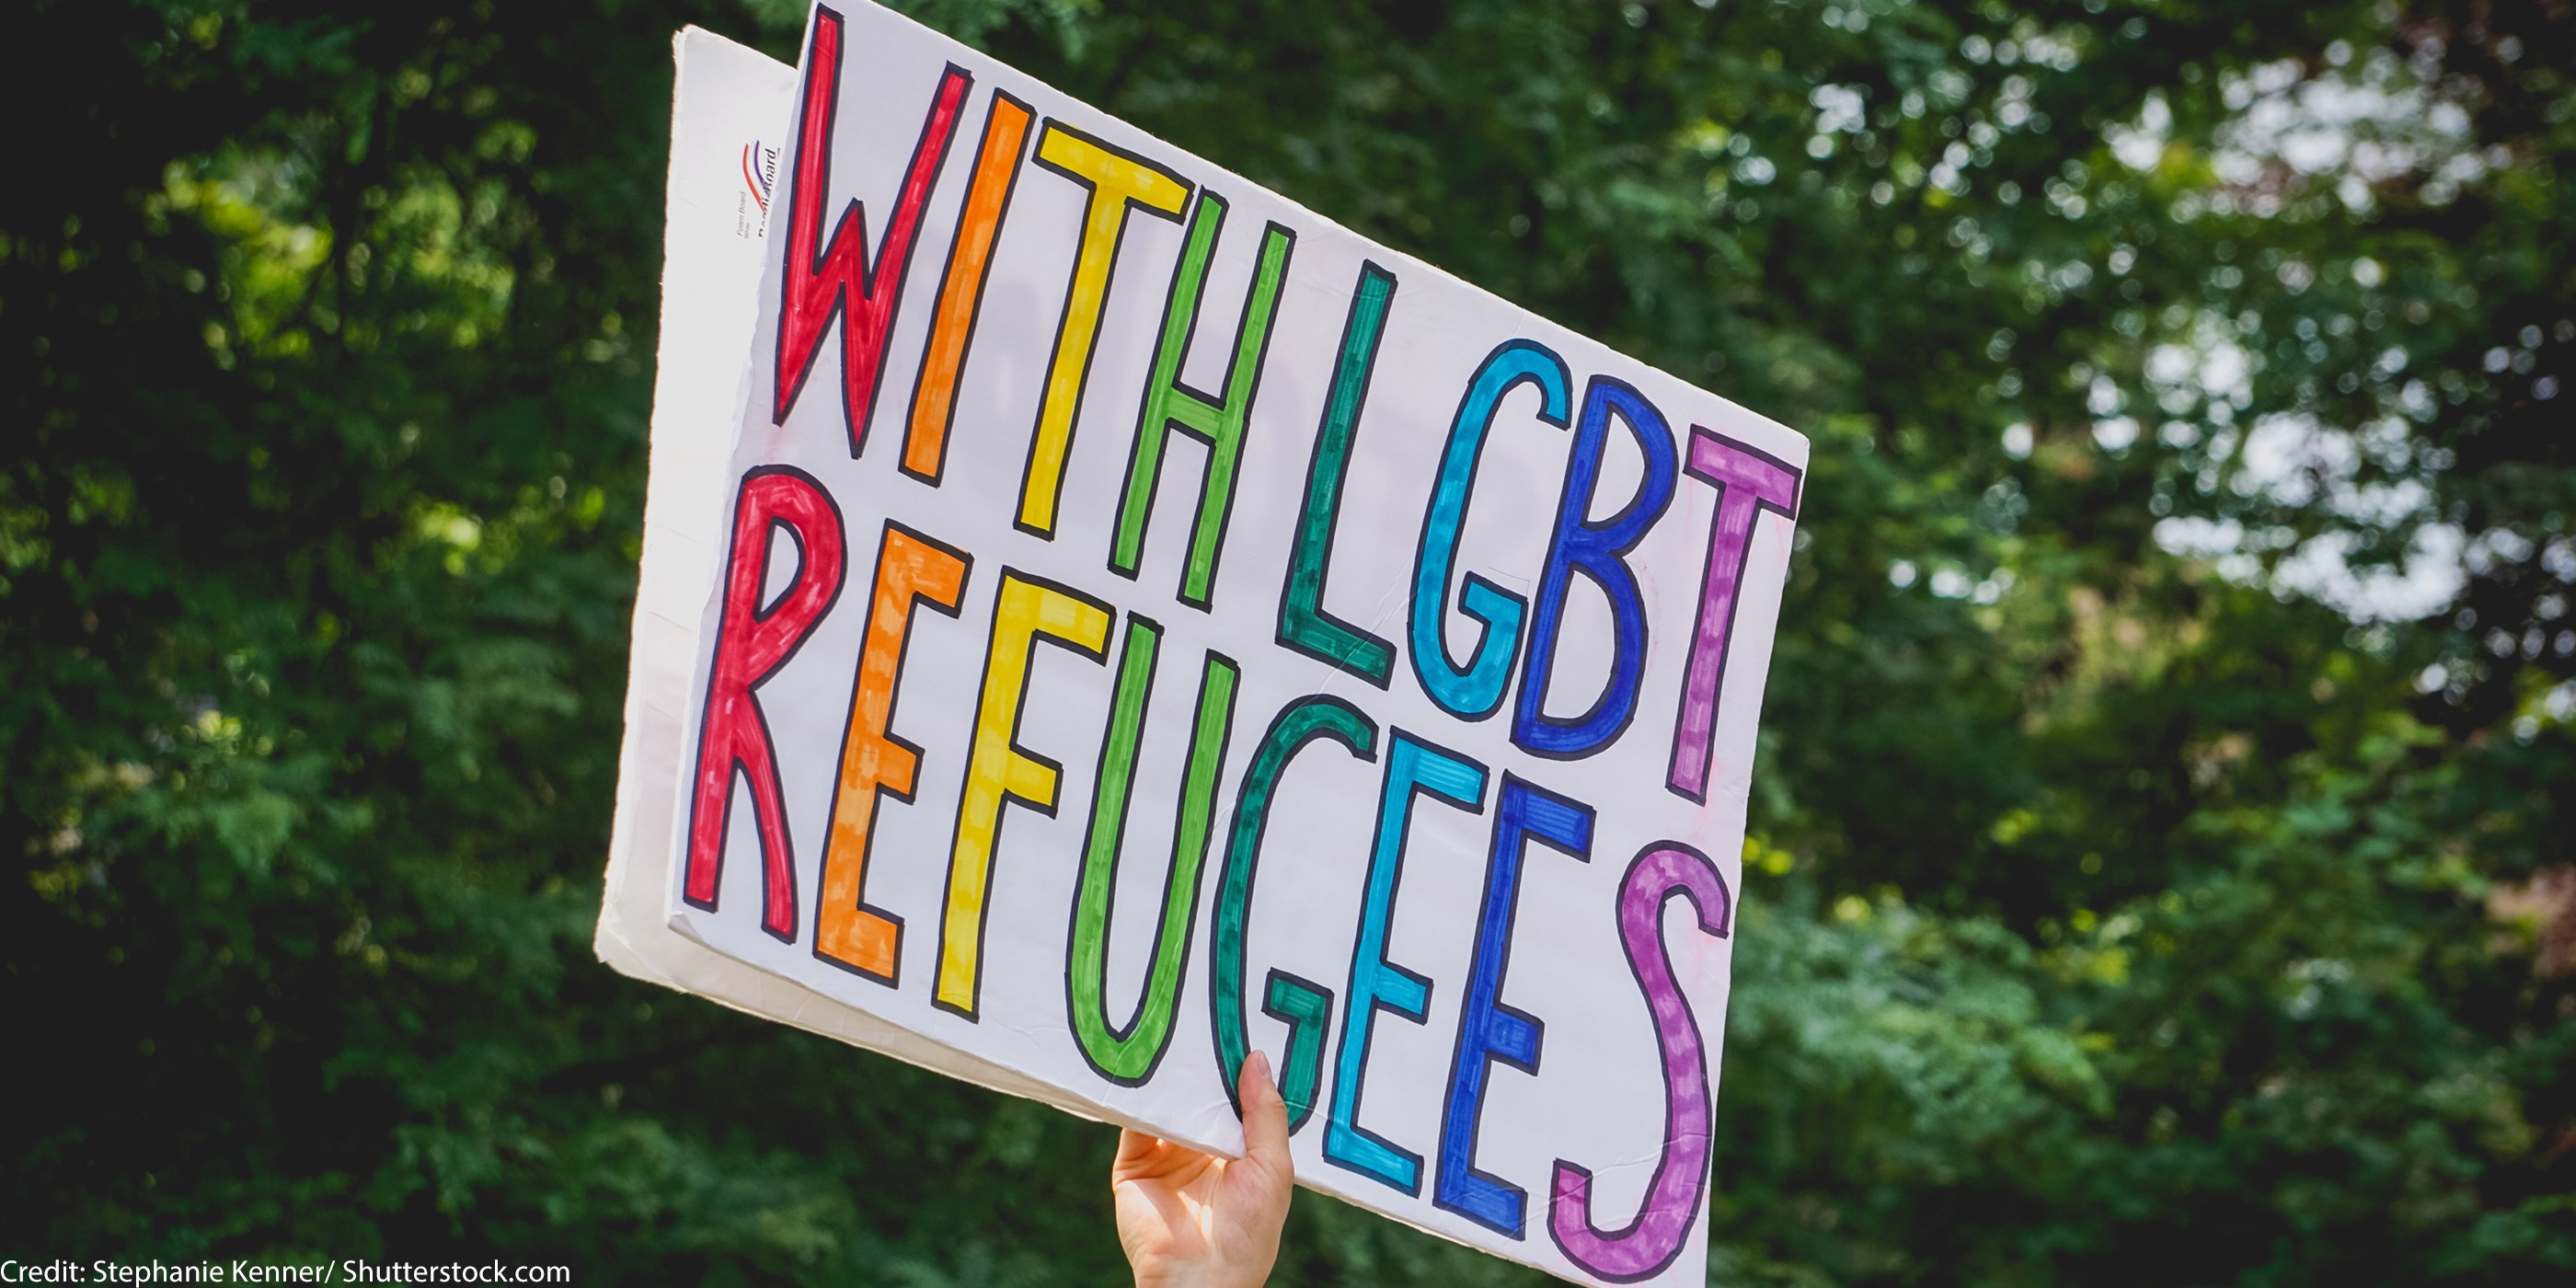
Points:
(1400, 892)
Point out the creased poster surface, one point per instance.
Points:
(1139, 621)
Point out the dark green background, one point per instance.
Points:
(2142, 925)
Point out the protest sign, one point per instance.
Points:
(1099, 618)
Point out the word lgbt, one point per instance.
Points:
(1073, 471)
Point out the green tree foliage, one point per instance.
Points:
(2162, 873)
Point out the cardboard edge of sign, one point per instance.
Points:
(709, 309)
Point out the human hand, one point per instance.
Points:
(1191, 1220)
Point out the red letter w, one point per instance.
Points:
(823, 281)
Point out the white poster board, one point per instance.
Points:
(1099, 617)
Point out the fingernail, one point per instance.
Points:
(1259, 1064)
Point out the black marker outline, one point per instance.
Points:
(783, 399)
(1538, 666)
(1291, 607)
(894, 696)
(1725, 642)
(1055, 345)
(1466, 505)
(975, 303)
(1512, 783)
(974, 1007)
(1246, 851)
(785, 868)
(1181, 385)
(1366, 1019)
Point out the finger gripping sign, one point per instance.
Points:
(1100, 618)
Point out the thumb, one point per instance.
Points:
(1265, 1117)
(1134, 1148)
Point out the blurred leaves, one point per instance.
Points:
(2161, 869)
